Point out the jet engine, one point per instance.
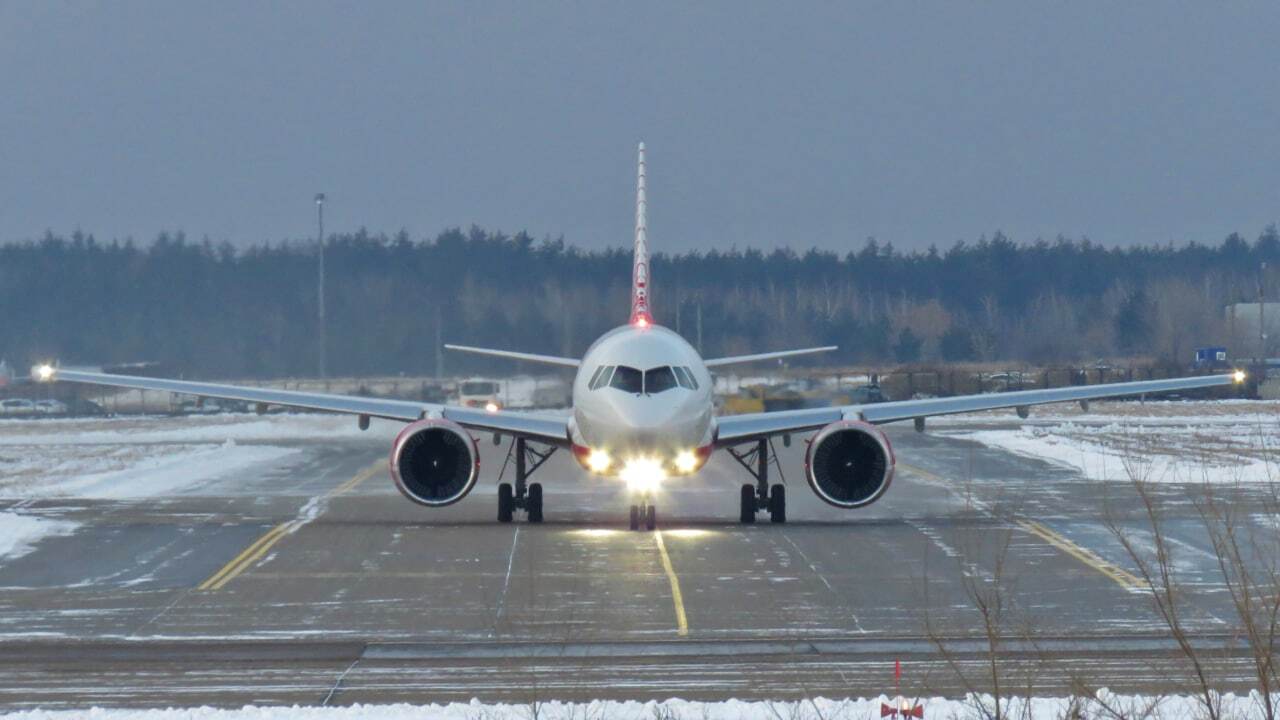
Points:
(434, 462)
(849, 464)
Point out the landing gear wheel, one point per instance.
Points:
(533, 503)
(506, 502)
(635, 517)
(651, 518)
(747, 509)
(778, 503)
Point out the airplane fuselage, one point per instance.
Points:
(642, 393)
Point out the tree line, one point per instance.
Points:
(210, 309)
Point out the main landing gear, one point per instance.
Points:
(758, 497)
(524, 495)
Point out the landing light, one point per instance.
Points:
(686, 461)
(642, 474)
(688, 533)
(1238, 376)
(44, 372)
(595, 532)
(598, 460)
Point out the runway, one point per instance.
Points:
(313, 581)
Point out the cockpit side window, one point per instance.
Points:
(659, 379)
(602, 377)
(595, 377)
(693, 381)
(682, 377)
(591, 384)
(627, 379)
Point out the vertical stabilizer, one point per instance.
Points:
(640, 314)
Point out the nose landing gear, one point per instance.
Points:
(644, 514)
(523, 496)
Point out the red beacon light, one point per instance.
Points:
(642, 322)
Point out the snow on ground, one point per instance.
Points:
(128, 471)
(189, 429)
(19, 533)
(129, 457)
(1222, 441)
(1103, 705)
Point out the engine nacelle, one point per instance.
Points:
(434, 462)
(849, 464)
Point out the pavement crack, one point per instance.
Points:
(337, 684)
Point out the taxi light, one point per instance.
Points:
(642, 474)
(1238, 376)
(598, 461)
(686, 461)
(491, 406)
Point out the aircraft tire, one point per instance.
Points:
(534, 502)
(651, 519)
(635, 517)
(747, 504)
(778, 503)
(506, 503)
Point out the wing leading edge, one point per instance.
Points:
(543, 428)
(740, 428)
(735, 359)
(513, 355)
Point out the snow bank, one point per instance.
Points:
(974, 707)
(129, 471)
(19, 533)
(167, 473)
(189, 429)
(1156, 453)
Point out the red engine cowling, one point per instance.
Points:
(435, 462)
(849, 464)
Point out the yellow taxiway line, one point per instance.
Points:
(1122, 577)
(677, 599)
(260, 547)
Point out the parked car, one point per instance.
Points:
(17, 407)
(51, 407)
(867, 394)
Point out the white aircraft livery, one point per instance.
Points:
(643, 413)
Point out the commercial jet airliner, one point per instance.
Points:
(643, 413)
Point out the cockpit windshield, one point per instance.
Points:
(659, 379)
(628, 379)
(650, 382)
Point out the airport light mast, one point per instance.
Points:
(320, 339)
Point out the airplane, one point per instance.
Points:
(643, 413)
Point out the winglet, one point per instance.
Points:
(640, 314)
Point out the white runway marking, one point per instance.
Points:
(856, 623)
(506, 584)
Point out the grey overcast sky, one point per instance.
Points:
(767, 124)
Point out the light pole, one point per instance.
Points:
(320, 285)
(1262, 311)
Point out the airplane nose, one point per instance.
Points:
(651, 417)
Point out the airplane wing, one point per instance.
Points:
(543, 428)
(531, 357)
(735, 359)
(734, 429)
